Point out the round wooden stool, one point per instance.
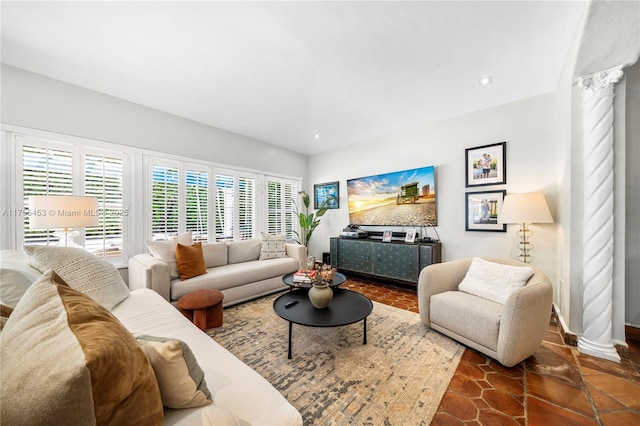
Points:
(202, 307)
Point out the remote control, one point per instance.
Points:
(290, 304)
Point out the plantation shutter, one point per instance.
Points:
(274, 207)
(164, 204)
(290, 219)
(45, 172)
(224, 206)
(246, 207)
(103, 178)
(197, 207)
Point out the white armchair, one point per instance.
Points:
(508, 333)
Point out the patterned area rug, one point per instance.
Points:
(397, 378)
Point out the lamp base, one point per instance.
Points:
(66, 237)
(525, 246)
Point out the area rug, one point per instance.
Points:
(397, 378)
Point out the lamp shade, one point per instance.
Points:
(62, 211)
(525, 208)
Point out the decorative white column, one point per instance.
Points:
(598, 214)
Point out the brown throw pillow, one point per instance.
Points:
(190, 261)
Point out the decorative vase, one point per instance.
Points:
(320, 295)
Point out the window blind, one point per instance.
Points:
(164, 204)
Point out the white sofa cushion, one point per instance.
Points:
(215, 254)
(83, 271)
(233, 385)
(494, 281)
(165, 250)
(243, 251)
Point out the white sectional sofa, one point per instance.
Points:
(240, 395)
(234, 268)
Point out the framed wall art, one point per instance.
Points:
(326, 192)
(482, 211)
(486, 165)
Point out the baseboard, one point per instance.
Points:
(568, 337)
(632, 332)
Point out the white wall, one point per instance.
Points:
(38, 102)
(528, 126)
(632, 298)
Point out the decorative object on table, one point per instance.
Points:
(482, 210)
(410, 236)
(405, 198)
(320, 293)
(486, 165)
(63, 211)
(307, 271)
(308, 222)
(326, 194)
(525, 209)
(386, 237)
(326, 273)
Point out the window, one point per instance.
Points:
(224, 207)
(53, 168)
(164, 202)
(44, 172)
(197, 208)
(281, 218)
(246, 207)
(103, 179)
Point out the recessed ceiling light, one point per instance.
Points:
(486, 80)
(317, 136)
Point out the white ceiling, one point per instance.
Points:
(283, 71)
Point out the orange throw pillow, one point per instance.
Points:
(190, 261)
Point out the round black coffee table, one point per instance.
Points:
(337, 279)
(347, 307)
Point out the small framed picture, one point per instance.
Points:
(326, 192)
(486, 165)
(410, 236)
(482, 211)
(386, 236)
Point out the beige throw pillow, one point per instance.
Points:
(83, 271)
(67, 360)
(180, 378)
(166, 250)
(243, 251)
(494, 281)
(215, 254)
(273, 246)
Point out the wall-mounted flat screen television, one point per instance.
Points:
(405, 198)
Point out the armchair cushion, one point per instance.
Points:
(494, 281)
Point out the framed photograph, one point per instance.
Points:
(329, 192)
(410, 236)
(486, 165)
(482, 211)
(386, 236)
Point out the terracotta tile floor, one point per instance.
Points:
(556, 386)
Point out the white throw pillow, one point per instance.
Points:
(83, 271)
(273, 246)
(165, 250)
(494, 281)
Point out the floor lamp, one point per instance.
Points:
(63, 211)
(525, 209)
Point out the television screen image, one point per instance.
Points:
(405, 198)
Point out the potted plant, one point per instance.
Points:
(308, 221)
